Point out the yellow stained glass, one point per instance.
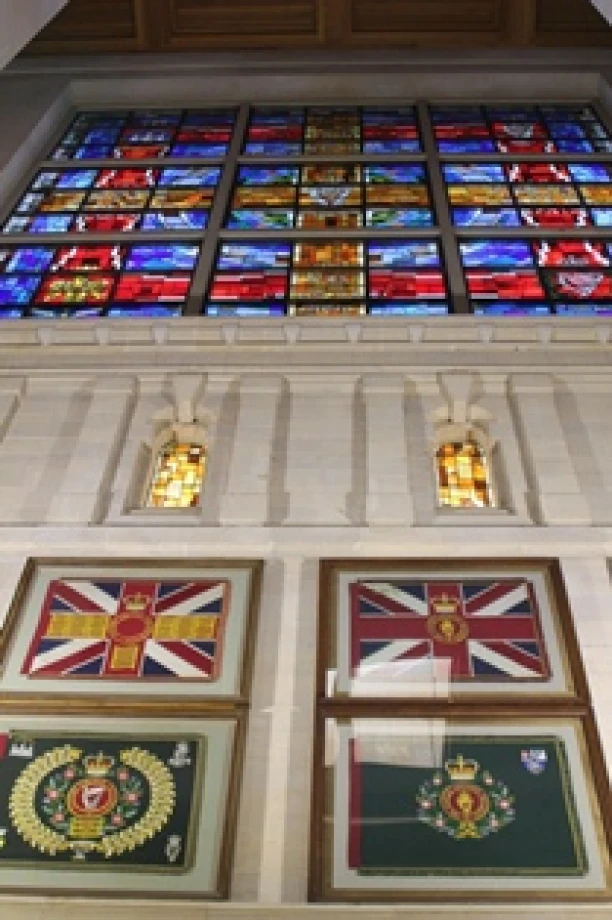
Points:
(178, 476)
(463, 480)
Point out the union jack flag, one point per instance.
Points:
(483, 628)
(129, 630)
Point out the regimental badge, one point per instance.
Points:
(534, 760)
(471, 805)
(99, 799)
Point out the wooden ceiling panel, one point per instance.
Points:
(570, 22)
(94, 26)
(87, 26)
(203, 24)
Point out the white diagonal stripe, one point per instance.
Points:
(499, 661)
(60, 652)
(197, 600)
(502, 604)
(396, 594)
(391, 651)
(174, 663)
(95, 594)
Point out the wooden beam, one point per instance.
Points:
(521, 21)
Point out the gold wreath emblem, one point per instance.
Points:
(28, 824)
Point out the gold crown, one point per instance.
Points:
(461, 769)
(136, 603)
(99, 765)
(444, 603)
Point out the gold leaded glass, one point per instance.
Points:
(463, 478)
(178, 476)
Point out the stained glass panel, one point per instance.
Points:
(463, 477)
(328, 277)
(178, 475)
(98, 280)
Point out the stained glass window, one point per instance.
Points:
(316, 210)
(463, 476)
(328, 277)
(177, 476)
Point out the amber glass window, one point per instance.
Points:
(177, 477)
(463, 475)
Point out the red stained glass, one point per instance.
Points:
(127, 178)
(204, 135)
(249, 286)
(66, 289)
(275, 133)
(538, 172)
(505, 285)
(580, 285)
(152, 288)
(461, 132)
(88, 259)
(388, 132)
(507, 145)
(141, 153)
(553, 253)
(107, 223)
(556, 217)
(399, 284)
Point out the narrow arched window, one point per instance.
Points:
(463, 475)
(178, 474)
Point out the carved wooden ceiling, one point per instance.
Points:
(114, 26)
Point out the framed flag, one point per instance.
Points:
(449, 808)
(163, 629)
(89, 806)
(443, 629)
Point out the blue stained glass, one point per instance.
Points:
(99, 136)
(76, 178)
(392, 145)
(45, 180)
(195, 177)
(10, 313)
(569, 146)
(143, 136)
(30, 202)
(272, 148)
(160, 257)
(404, 172)
(590, 172)
(404, 254)
(511, 308)
(569, 130)
(260, 220)
(92, 153)
(209, 151)
(268, 175)
(473, 172)
(597, 131)
(408, 217)
(254, 255)
(512, 112)
(144, 311)
(50, 223)
(604, 146)
(17, 289)
(277, 117)
(468, 146)
(602, 217)
(245, 309)
(578, 309)
(497, 253)
(409, 309)
(29, 260)
(182, 220)
(16, 225)
(99, 119)
(155, 119)
(63, 312)
(479, 217)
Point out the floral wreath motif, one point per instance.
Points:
(91, 804)
(471, 806)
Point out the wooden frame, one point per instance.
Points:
(18, 692)
(566, 678)
(588, 783)
(336, 873)
(206, 870)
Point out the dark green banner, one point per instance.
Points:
(495, 806)
(92, 800)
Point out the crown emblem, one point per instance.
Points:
(444, 604)
(461, 770)
(136, 603)
(98, 765)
